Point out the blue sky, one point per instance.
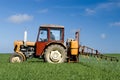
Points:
(97, 20)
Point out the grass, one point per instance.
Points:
(34, 69)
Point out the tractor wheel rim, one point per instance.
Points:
(55, 56)
(16, 59)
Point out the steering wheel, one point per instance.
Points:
(41, 39)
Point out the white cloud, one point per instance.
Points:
(108, 5)
(105, 5)
(43, 11)
(103, 36)
(115, 24)
(20, 18)
(89, 11)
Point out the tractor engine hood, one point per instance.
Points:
(28, 43)
(17, 45)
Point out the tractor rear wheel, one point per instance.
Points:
(16, 58)
(55, 54)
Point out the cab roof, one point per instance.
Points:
(51, 26)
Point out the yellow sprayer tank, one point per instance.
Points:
(74, 47)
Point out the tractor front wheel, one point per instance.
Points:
(55, 54)
(16, 58)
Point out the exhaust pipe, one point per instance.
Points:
(25, 38)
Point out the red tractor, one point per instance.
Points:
(50, 47)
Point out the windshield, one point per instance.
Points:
(55, 34)
(52, 34)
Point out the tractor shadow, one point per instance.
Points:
(36, 61)
(42, 61)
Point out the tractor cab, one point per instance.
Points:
(48, 34)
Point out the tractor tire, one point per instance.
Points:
(24, 57)
(55, 54)
(16, 58)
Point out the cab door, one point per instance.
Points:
(42, 41)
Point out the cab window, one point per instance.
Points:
(55, 34)
(43, 35)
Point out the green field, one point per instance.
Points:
(35, 69)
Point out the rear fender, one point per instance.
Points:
(52, 43)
